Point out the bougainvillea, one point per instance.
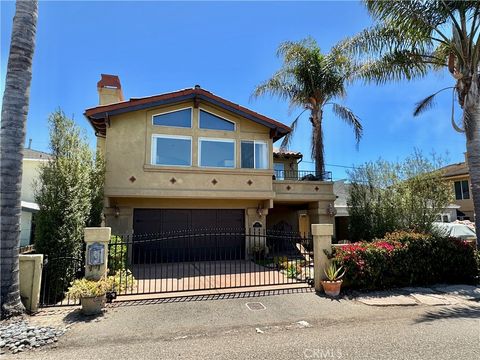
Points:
(406, 259)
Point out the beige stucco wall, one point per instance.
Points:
(30, 280)
(466, 206)
(128, 154)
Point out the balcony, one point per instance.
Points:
(299, 186)
(301, 175)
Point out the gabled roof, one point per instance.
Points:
(455, 169)
(98, 115)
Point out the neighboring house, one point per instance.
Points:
(460, 178)
(31, 162)
(190, 159)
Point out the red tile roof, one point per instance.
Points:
(98, 114)
(455, 169)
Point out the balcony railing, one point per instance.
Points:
(302, 175)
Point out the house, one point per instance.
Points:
(190, 159)
(31, 162)
(460, 179)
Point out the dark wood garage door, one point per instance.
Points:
(202, 240)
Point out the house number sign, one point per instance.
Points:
(96, 252)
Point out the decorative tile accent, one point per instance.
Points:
(214, 181)
(317, 188)
(288, 187)
(249, 182)
(173, 180)
(132, 179)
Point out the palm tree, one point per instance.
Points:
(410, 39)
(14, 116)
(311, 80)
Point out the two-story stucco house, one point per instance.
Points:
(459, 176)
(191, 159)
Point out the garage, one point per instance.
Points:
(164, 235)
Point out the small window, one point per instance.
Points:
(462, 191)
(172, 150)
(279, 169)
(217, 153)
(254, 155)
(179, 118)
(214, 122)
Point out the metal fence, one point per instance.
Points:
(207, 259)
(57, 275)
(302, 175)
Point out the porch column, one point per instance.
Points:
(96, 253)
(322, 240)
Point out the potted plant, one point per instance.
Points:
(333, 284)
(91, 294)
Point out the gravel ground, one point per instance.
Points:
(17, 335)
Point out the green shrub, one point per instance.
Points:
(407, 259)
(117, 255)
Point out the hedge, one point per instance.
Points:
(407, 259)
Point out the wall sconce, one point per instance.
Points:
(259, 210)
(331, 211)
(116, 210)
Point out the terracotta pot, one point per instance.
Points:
(92, 305)
(332, 288)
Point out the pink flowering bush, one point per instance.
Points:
(406, 259)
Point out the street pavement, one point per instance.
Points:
(292, 325)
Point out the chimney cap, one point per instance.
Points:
(197, 86)
(107, 80)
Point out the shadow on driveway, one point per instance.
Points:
(451, 312)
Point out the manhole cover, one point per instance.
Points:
(254, 306)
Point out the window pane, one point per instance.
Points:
(279, 169)
(458, 190)
(210, 121)
(247, 155)
(217, 153)
(465, 190)
(261, 157)
(181, 118)
(172, 151)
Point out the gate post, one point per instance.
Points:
(96, 253)
(322, 240)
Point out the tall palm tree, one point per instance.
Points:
(311, 80)
(410, 39)
(14, 116)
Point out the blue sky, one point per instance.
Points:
(227, 48)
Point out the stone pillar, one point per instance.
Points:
(30, 280)
(96, 253)
(322, 240)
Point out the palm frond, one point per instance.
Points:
(288, 138)
(427, 103)
(350, 118)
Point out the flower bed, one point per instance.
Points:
(407, 259)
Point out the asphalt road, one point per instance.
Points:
(292, 326)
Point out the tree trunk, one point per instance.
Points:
(317, 143)
(14, 116)
(472, 107)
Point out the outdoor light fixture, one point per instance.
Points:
(117, 211)
(259, 210)
(331, 210)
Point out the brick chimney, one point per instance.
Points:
(109, 90)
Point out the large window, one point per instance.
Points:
(214, 122)
(171, 150)
(178, 118)
(254, 155)
(462, 191)
(216, 153)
